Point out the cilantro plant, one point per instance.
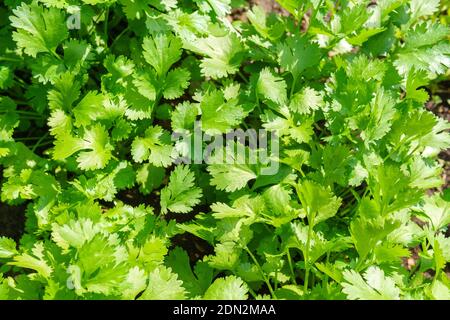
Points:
(92, 93)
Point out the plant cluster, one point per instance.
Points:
(92, 90)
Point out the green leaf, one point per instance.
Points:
(197, 282)
(434, 60)
(180, 195)
(219, 115)
(229, 288)
(271, 86)
(163, 284)
(38, 29)
(379, 118)
(36, 261)
(375, 285)
(95, 139)
(184, 116)
(222, 54)
(369, 228)
(297, 54)
(425, 34)
(306, 101)
(265, 26)
(318, 201)
(229, 169)
(66, 91)
(135, 282)
(176, 82)
(291, 6)
(88, 109)
(420, 8)
(161, 52)
(7, 247)
(74, 234)
(414, 81)
(220, 7)
(437, 210)
(146, 85)
(154, 146)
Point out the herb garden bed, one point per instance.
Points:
(224, 149)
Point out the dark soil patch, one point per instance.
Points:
(442, 110)
(196, 248)
(135, 198)
(268, 6)
(12, 221)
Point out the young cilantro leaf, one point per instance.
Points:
(180, 195)
(161, 52)
(271, 87)
(163, 284)
(197, 282)
(219, 115)
(38, 29)
(222, 54)
(306, 101)
(297, 54)
(229, 170)
(154, 146)
(375, 285)
(176, 82)
(95, 139)
(7, 247)
(318, 201)
(228, 288)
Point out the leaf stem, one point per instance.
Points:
(313, 15)
(294, 82)
(118, 37)
(308, 244)
(257, 104)
(105, 29)
(269, 286)
(290, 266)
(252, 292)
(39, 142)
(242, 76)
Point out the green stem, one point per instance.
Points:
(242, 76)
(294, 82)
(269, 286)
(92, 27)
(39, 142)
(313, 15)
(105, 28)
(257, 104)
(402, 143)
(27, 138)
(30, 117)
(359, 266)
(23, 112)
(356, 195)
(56, 55)
(325, 279)
(290, 266)
(308, 244)
(118, 37)
(276, 279)
(253, 293)
(10, 59)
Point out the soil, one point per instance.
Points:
(12, 221)
(442, 109)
